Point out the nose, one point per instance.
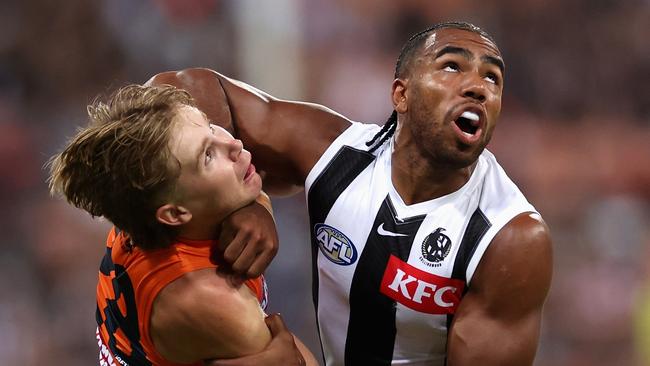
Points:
(235, 147)
(475, 89)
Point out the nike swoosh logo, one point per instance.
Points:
(381, 231)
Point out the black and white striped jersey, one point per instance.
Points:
(388, 277)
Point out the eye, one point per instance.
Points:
(492, 78)
(451, 67)
(208, 156)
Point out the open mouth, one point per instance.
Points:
(468, 122)
(249, 171)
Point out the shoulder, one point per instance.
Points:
(524, 236)
(204, 314)
(499, 319)
(500, 200)
(516, 265)
(500, 187)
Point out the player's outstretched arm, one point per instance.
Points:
(498, 321)
(286, 138)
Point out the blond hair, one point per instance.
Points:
(120, 166)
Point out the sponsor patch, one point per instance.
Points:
(420, 290)
(335, 245)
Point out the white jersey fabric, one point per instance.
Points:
(388, 276)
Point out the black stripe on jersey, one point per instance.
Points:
(346, 165)
(371, 330)
(128, 323)
(98, 316)
(106, 266)
(477, 226)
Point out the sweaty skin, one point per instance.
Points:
(498, 321)
(449, 76)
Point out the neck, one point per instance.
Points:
(418, 178)
(195, 230)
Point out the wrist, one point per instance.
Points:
(264, 200)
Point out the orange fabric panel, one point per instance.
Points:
(149, 272)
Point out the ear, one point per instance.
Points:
(173, 215)
(399, 96)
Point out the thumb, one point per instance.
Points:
(276, 324)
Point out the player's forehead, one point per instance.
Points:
(186, 114)
(461, 38)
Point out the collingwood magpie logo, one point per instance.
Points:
(435, 248)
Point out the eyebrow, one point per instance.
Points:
(494, 61)
(205, 116)
(456, 50)
(498, 62)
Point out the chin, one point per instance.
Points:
(256, 185)
(463, 156)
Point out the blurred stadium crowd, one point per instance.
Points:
(574, 134)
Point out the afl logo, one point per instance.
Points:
(436, 246)
(335, 245)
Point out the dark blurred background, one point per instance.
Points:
(574, 135)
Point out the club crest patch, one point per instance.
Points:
(435, 248)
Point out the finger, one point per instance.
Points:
(276, 324)
(235, 247)
(225, 237)
(261, 262)
(246, 258)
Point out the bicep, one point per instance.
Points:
(499, 319)
(286, 138)
(207, 317)
(479, 337)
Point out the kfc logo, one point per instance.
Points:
(420, 290)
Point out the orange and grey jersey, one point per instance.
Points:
(388, 277)
(129, 280)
